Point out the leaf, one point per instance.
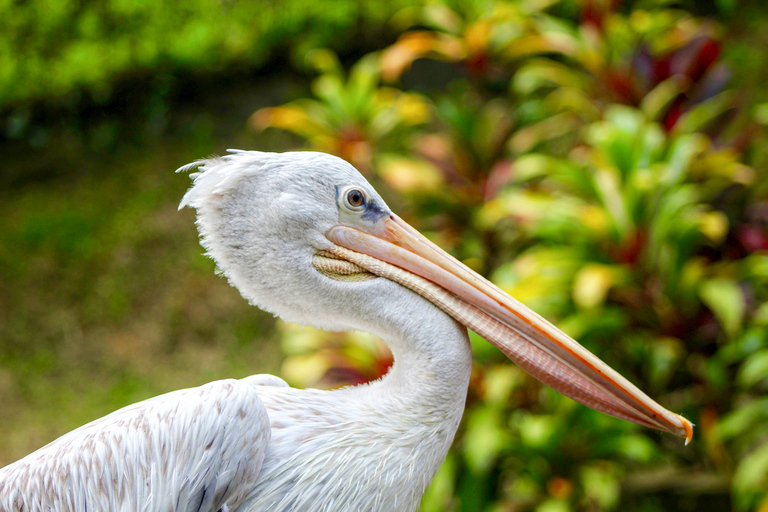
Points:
(544, 277)
(714, 225)
(760, 113)
(659, 99)
(666, 353)
(760, 316)
(549, 128)
(554, 505)
(608, 186)
(536, 431)
(324, 60)
(484, 439)
(535, 165)
(292, 117)
(744, 419)
(634, 447)
(753, 370)
(757, 265)
(681, 153)
(409, 175)
(601, 485)
(412, 109)
(522, 205)
(574, 100)
(500, 381)
(626, 120)
(592, 283)
(726, 6)
(305, 370)
(751, 477)
(297, 340)
(476, 36)
(440, 16)
(701, 115)
(541, 73)
(725, 299)
(411, 46)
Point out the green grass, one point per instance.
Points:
(106, 298)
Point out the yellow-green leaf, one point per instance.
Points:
(726, 300)
(754, 369)
(592, 283)
(409, 175)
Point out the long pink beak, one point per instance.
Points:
(533, 343)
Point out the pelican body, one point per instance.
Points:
(305, 237)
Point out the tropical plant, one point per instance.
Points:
(353, 117)
(584, 159)
(629, 249)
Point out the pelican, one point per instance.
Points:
(304, 236)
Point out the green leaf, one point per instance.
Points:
(601, 485)
(726, 6)
(500, 381)
(754, 370)
(713, 225)
(760, 316)
(760, 113)
(701, 115)
(756, 265)
(592, 283)
(656, 103)
(608, 186)
(634, 447)
(751, 477)
(743, 419)
(484, 439)
(534, 165)
(619, 137)
(726, 300)
(681, 153)
(554, 505)
(541, 73)
(537, 430)
(666, 353)
(324, 61)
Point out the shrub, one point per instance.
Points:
(587, 160)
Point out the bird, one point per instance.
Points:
(305, 237)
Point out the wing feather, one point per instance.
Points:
(198, 449)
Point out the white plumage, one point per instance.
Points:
(194, 449)
(304, 236)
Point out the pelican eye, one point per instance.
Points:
(354, 199)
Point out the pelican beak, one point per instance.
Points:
(398, 252)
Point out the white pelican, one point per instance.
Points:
(304, 236)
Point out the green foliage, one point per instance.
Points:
(352, 117)
(586, 159)
(583, 154)
(52, 47)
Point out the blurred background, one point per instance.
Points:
(604, 161)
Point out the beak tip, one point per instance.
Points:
(687, 428)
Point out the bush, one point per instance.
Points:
(50, 48)
(588, 160)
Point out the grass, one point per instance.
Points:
(106, 298)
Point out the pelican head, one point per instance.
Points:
(304, 236)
